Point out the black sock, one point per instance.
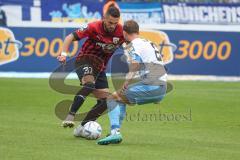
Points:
(80, 97)
(96, 111)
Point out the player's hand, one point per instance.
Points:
(61, 59)
(124, 87)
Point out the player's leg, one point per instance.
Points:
(137, 93)
(86, 76)
(96, 111)
(122, 114)
(140, 93)
(116, 114)
(100, 93)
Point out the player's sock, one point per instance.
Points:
(114, 113)
(96, 111)
(80, 97)
(122, 113)
(115, 131)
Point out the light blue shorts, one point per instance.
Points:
(140, 93)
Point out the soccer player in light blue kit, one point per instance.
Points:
(146, 61)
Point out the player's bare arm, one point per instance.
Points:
(134, 66)
(67, 42)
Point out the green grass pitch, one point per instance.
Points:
(196, 121)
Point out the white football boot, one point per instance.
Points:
(69, 121)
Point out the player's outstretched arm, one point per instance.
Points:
(66, 43)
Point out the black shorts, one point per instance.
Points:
(85, 67)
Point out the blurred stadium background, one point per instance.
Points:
(200, 43)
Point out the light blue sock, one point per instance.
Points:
(122, 107)
(116, 113)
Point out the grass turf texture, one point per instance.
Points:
(29, 128)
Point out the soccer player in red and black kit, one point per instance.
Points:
(103, 38)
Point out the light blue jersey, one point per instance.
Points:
(151, 87)
(153, 77)
(152, 69)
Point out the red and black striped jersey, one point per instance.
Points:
(99, 43)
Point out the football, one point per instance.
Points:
(92, 130)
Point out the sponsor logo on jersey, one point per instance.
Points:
(107, 47)
(115, 40)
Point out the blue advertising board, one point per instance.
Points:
(25, 5)
(186, 13)
(38, 51)
(197, 53)
(71, 11)
(205, 13)
(142, 12)
(205, 53)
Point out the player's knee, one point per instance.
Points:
(88, 79)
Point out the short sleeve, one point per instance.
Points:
(134, 53)
(82, 32)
